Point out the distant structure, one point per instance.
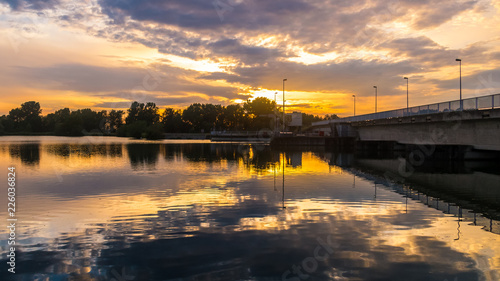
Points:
(294, 119)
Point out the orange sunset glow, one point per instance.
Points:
(105, 54)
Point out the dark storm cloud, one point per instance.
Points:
(316, 27)
(439, 13)
(95, 79)
(422, 50)
(83, 78)
(319, 25)
(416, 46)
(247, 54)
(178, 43)
(428, 55)
(202, 14)
(231, 29)
(72, 18)
(31, 4)
(344, 76)
(168, 41)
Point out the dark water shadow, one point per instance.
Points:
(28, 153)
(143, 155)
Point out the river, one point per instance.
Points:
(105, 208)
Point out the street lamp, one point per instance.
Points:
(275, 113)
(375, 98)
(460, 61)
(354, 96)
(407, 99)
(284, 104)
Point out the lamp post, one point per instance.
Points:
(375, 98)
(275, 113)
(460, 61)
(354, 96)
(407, 99)
(284, 104)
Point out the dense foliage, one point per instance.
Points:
(146, 120)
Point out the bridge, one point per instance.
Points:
(473, 122)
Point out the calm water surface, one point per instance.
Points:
(115, 209)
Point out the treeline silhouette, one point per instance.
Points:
(146, 120)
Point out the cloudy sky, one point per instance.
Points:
(105, 54)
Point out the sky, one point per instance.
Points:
(105, 54)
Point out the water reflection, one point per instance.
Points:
(143, 155)
(28, 153)
(256, 156)
(85, 150)
(245, 212)
(473, 186)
(259, 157)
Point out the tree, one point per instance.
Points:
(136, 129)
(31, 108)
(27, 117)
(261, 113)
(142, 121)
(16, 115)
(143, 112)
(204, 117)
(115, 119)
(154, 132)
(308, 119)
(133, 112)
(193, 115)
(62, 114)
(71, 126)
(172, 121)
(2, 129)
(234, 117)
(260, 106)
(91, 120)
(212, 116)
(330, 117)
(150, 114)
(51, 120)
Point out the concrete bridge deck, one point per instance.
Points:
(477, 125)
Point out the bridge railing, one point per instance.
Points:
(477, 103)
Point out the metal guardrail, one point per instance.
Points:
(477, 103)
(238, 133)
